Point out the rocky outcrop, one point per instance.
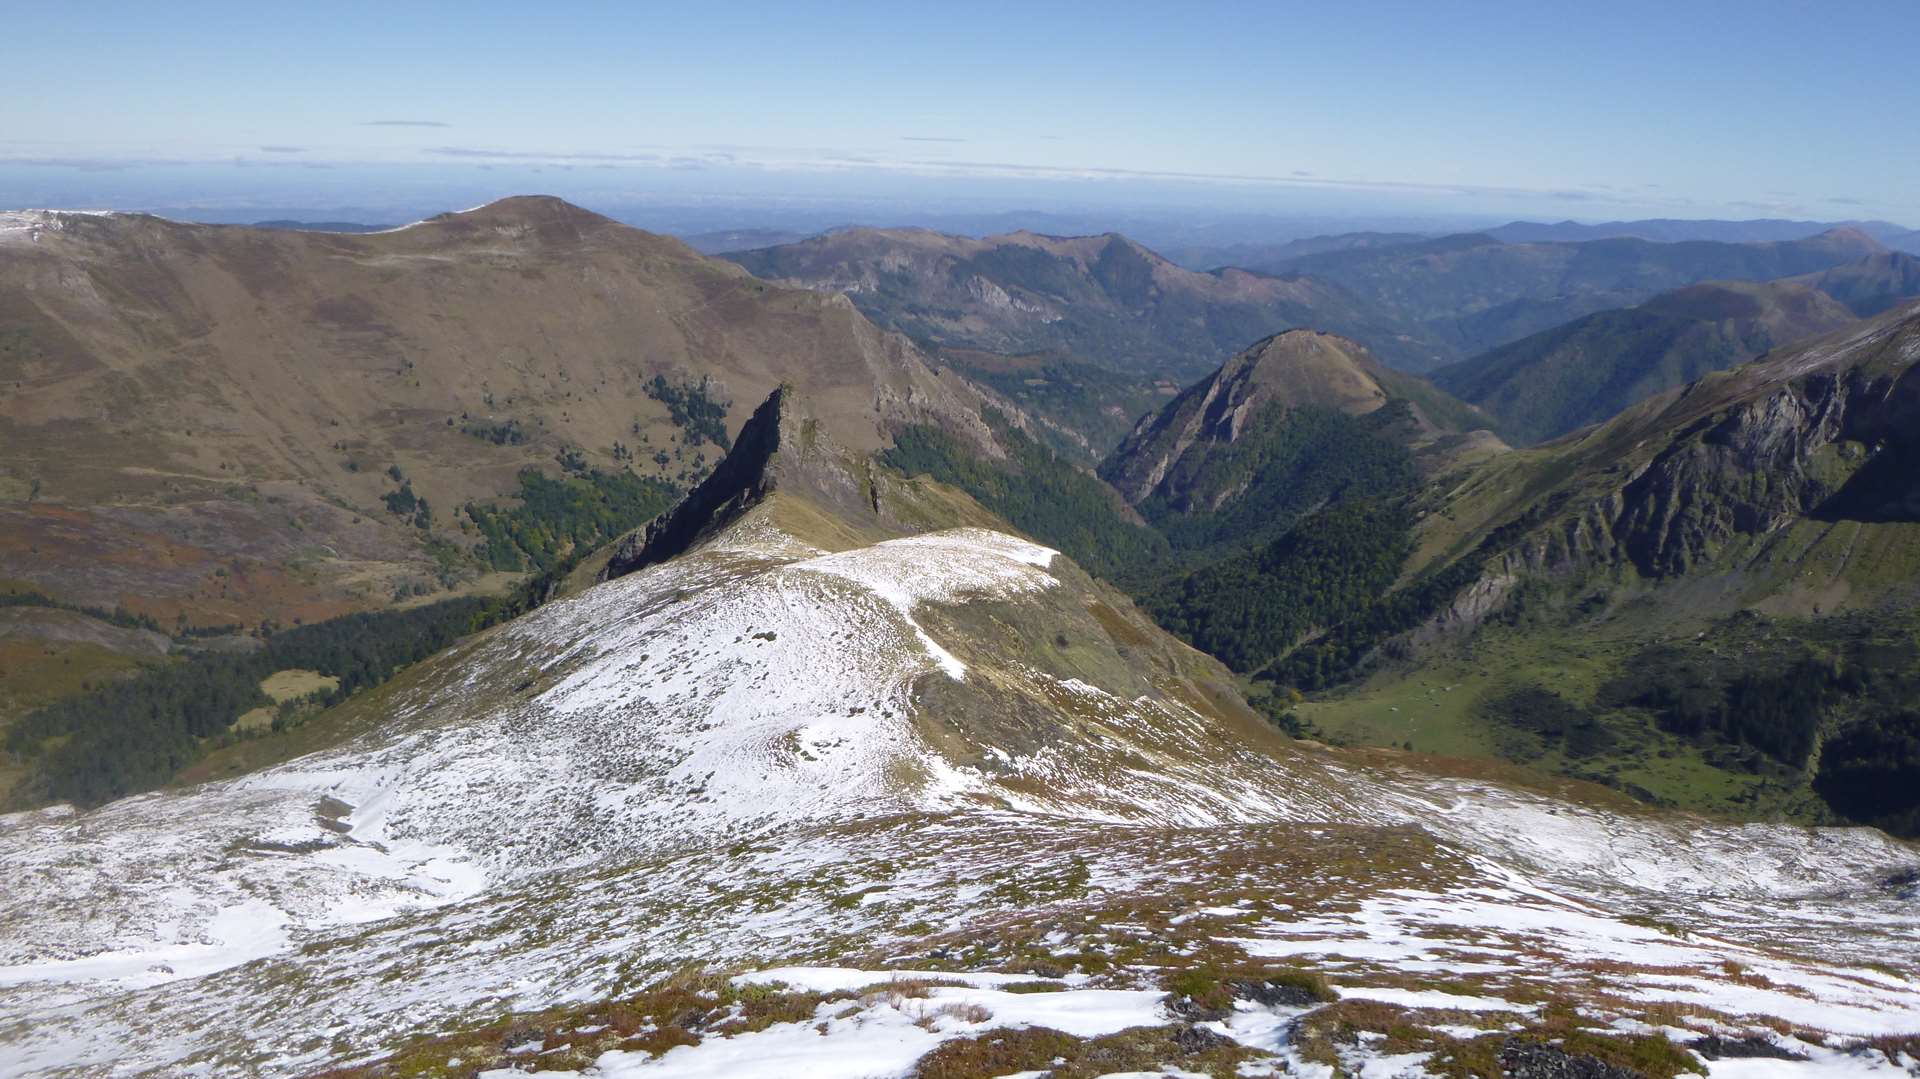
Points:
(1750, 469)
(1295, 369)
(1829, 431)
(781, 447)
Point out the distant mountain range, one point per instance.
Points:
(725, 240)
(1874, 284)
(1275, 255)
(1272, 254)
(319, 226)
(1416, 303)
(1585, 371)
(1101, 298)
(1469, 293)
(1670, 230)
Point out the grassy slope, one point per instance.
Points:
(1441, 707)
(219, 443)
(1440, 703)
(1587, 370)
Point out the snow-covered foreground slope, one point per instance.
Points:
(949, 751)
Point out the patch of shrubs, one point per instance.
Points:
(694, 407)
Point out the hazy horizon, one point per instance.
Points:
(219, 111)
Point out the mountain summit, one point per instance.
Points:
(1300, 373)
(201, 407)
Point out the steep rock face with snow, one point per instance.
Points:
(879, 744)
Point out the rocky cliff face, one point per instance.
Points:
(785, 448)
(1826, 432)
(781, 447)
(1751, 468)
(1818, 432)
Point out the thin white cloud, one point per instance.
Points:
(520, 155)
(821, 159)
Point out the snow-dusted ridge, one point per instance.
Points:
(766, 753)
(424, 220)
(27, 226)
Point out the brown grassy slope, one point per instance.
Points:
(208, 412)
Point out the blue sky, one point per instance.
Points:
(1687, 109)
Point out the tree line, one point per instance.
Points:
(558, 518)
(135, 733)
(1304, 597)
(1039, 493)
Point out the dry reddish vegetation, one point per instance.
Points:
(683, 1009)
(1063, 1056)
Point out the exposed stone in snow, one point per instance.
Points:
(765, 754)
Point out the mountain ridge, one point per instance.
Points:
(1295, 369)
(1764, 513)
(780, 759)
(1104, 298)
(1669, 230)
(1467, 293)
(1590, 369)
(308, 377)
